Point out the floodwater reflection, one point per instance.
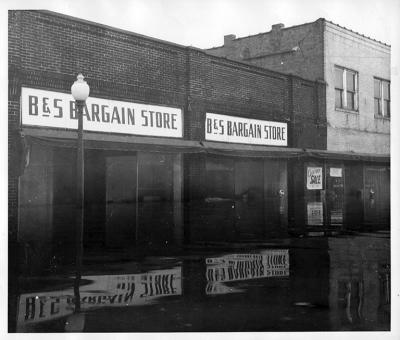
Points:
(313, 284)
(241, 267)
(103, 291)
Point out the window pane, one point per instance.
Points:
(350, 80)
(386, 90)
(338, 78)
(220, 177)
(377, 107)
(350, 100)
(377, 88)
(338, 98)
(387, 108)
(155, 177)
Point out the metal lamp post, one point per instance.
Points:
(80, 91)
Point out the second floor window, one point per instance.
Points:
(346, 89)
(381, 98)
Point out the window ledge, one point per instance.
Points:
(346, 110)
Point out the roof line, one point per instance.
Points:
(238, 63)
(360, 34)
(262, 33)
(307, 23)
(93, 23)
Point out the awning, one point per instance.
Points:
(93, 140)
(246, 150)
(347, 156)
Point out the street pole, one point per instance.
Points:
(80, 200)
(80, 91)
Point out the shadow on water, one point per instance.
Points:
(309, 284)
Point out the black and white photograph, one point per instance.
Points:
(209, 167)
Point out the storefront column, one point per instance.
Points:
(35, 210)
(177, 198)
(275, 196)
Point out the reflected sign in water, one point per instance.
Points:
(238, 267)
(104, 291)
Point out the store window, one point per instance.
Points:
(155, 198)
(381, 98)
(220, 178)
(346, 89)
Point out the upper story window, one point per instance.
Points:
(346, 82)
(381, 98)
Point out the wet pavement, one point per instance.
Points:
(338, 283)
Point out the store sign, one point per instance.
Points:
(315, 213)
(58, 110)
(335, 172)
(314, 178)
(231, 129)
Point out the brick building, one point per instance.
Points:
(356, 71)
(180, 146)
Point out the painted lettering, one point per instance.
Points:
(60, 111)
(105, 115)
(33, 105)
(95, 112)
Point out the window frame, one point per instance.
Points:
(344, 91)
(382, 113)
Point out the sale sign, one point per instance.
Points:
(314, 178)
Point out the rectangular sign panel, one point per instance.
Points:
(314, 178)
(335, 172)
(315, 213)
(55, 109)
(231, 129)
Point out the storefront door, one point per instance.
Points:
(377, 196)
(335, 195)
(121, 178)
(249, 198)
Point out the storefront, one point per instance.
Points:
(133, 184)
(244, 171)
(332, 192)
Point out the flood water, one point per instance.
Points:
(338, 283)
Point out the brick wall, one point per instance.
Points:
(309, 119)
(227, 87)
(297, 50)
(13, 121)
(224, 87)
(116, 63)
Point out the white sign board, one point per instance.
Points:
(231, 129)
(335, 172)
(58, 110)
(315, 213)
(314, 178)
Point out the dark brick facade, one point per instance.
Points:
(47, 50)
